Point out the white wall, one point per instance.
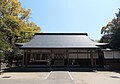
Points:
(110, 54)
(82, 56)
(116, 54)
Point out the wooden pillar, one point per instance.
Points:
(49, 59)
(91, 55)
(26, 59)
(52, 61)
(95, 59)
(23, 60)
(67, 57)
(101, 58)
(95, 62)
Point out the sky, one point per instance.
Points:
(72, 16)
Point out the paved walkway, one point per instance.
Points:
(60, 77)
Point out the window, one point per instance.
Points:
(41, 56)
(38, 57)
(82, 56)
(44, 56)
(74, 56)
(59, 56)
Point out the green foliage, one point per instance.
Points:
(111, 32)
(115, 41)
(15, 26)
(1, 48)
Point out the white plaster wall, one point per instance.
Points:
(108, 54)
(112, 54)
(116, 54)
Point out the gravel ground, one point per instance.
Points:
(24, 75)
(54, 77)
(99, 77)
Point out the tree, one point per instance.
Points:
(107, 32)
(111, 32)
(15, 23)
(115, 41)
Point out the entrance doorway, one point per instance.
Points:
(59, 59)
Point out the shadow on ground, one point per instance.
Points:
(48, 69)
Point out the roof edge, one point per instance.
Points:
(61, 34)
(60, 48)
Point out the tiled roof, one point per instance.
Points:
(60, 40)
